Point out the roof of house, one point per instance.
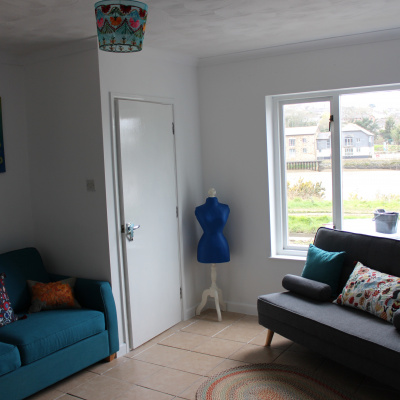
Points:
(301, 130)
(355, 128)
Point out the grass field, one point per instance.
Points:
(306, 216)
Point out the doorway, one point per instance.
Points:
(147, 186)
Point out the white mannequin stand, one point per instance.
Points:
(213, 291)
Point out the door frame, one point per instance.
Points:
(119, 213)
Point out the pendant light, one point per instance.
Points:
(120, 25)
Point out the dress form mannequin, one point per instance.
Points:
(213, 247)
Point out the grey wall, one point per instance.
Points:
(233, 132)
(66, 148)
(16, 222)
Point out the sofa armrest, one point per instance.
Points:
(97, 295)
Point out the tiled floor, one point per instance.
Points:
(173, 365)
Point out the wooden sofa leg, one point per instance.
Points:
(111, 357)
(270, 334)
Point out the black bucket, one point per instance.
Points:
(385, 221)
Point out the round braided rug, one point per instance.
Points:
(266, 381)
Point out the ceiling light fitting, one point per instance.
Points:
(120, 25)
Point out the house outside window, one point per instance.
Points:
(328, 189)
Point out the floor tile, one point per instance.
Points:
(196, 363)
(141, 393)
(184, 340)
(299, 359)
(366, 392)
(170, 381)
(102, 367)
(206, 328)
(46, 394)
(227, 316)
(101, 388)
(278, 341)
(73, 381)
(254, 354)
(161, 355)
(133, 371)
(190, 393)
(226, 364)
(219, 347)
(241, 332)
(344, 378)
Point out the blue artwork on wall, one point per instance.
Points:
(2, 158)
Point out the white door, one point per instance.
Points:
(148, 194)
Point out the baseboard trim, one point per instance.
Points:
(123, 350)
(242, 308)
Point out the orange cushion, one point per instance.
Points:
(53, 295)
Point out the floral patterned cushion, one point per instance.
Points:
(372, 291)
(6, 311)
(53, 295)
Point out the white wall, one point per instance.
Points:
(66, 148)
(233, 132)
(153, 73)
(15, 197)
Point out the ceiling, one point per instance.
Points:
(200, 28)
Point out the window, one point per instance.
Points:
(348, 141)
(304, 140)
(348, 151)
(322, 186)
(292, 142)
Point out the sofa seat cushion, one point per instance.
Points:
(46, 332)
(353, 330)
(9, 358)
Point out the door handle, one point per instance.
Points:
(130, 228)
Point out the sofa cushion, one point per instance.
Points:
(19, 266)
(371, 291)
(46, 332)
(9, 358)
(307, 287)
(52, 295)
(380, 253)
(350, 329)
(324, 266)
(6, 311)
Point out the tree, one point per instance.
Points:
(389, 126)
(323, 124)
(395, 134)
(368, 123)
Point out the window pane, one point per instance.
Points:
(370, 131)
(308, 170)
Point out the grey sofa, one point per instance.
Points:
(349, 336)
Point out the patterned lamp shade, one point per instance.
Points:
(120, 25)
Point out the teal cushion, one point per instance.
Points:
(324, 266)
(46, 332)
(9, 358)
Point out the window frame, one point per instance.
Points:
(277, 183)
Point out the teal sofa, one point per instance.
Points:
(48, 346)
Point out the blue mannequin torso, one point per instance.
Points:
(213, 246)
